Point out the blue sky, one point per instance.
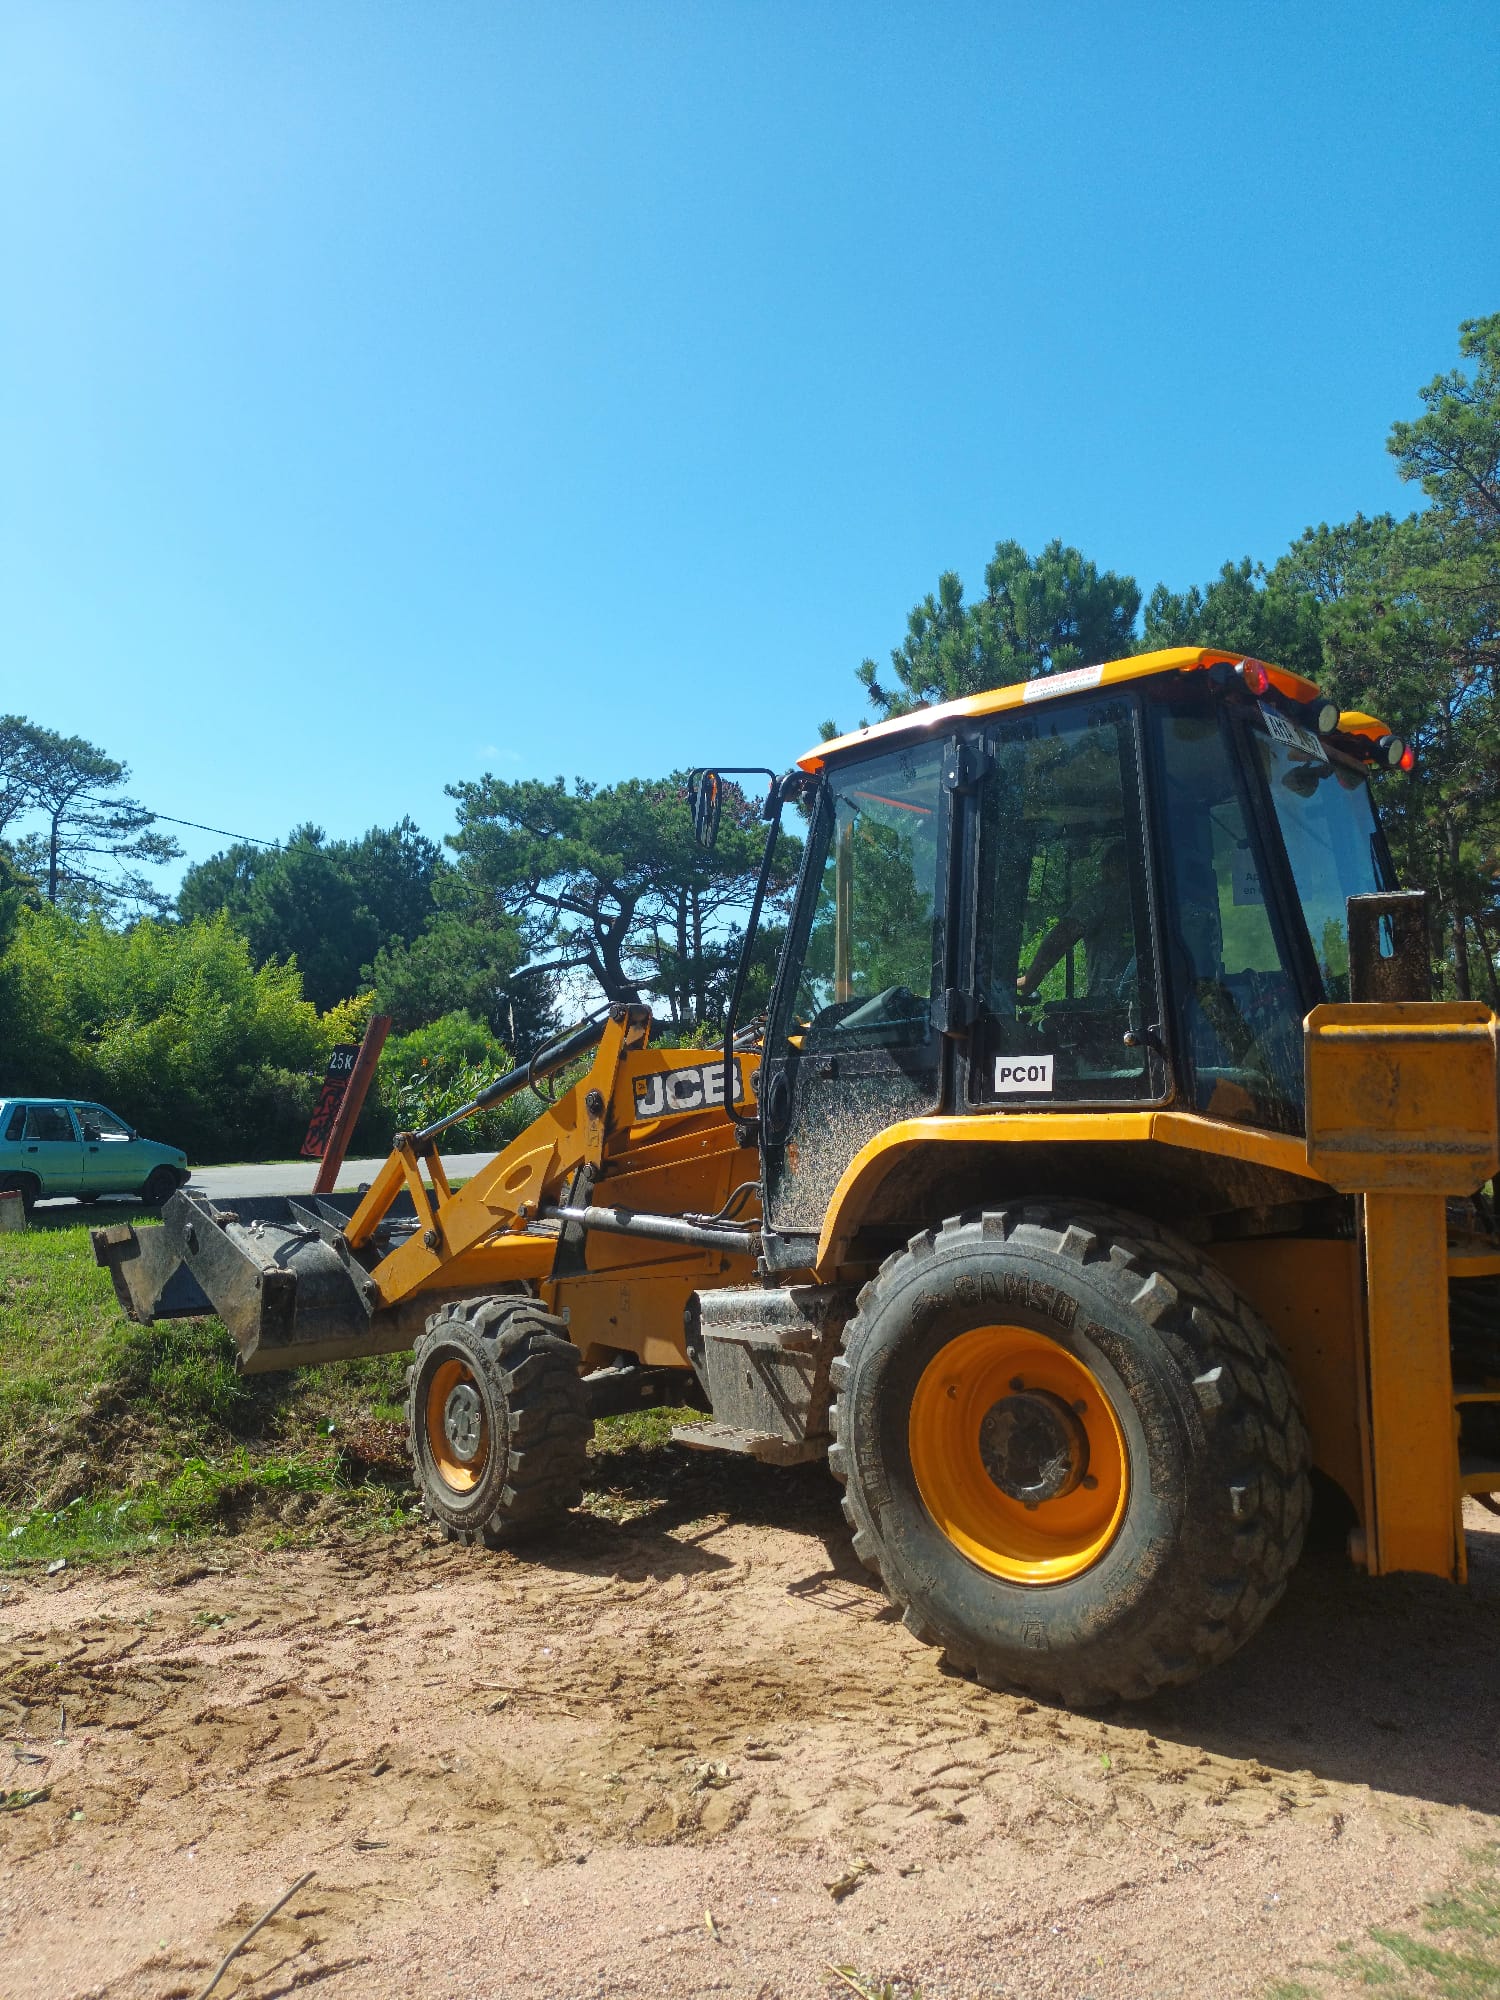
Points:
(389, 393)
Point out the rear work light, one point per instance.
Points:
(1394, 751)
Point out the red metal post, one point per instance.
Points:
(360, 1079)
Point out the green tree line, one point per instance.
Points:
(1399, 617)
(208, 1017)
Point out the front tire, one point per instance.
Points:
(161, 1186)
(1070, 1450)
(497, 1420)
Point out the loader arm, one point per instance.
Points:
(503, 1224)
(623, 1177)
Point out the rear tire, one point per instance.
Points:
(1071, 1451)
(497, 1420)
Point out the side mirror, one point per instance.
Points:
(707, 795)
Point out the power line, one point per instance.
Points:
(199, 827)
(103, 799)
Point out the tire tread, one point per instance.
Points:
(1194, 1308)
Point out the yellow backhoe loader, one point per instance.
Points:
(1101, 1172)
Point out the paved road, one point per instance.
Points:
(290, 1177)
(297, 1176)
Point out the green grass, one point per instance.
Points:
(117, 1438)
(1455, 1957)
(208, 1496)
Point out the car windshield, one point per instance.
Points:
(1328, 826)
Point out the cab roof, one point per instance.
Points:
(1051, 687)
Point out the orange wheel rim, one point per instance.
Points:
(460, 1448)
(1018, 1454)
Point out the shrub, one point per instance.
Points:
(169, 1024)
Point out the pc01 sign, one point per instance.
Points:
(1024, 1075)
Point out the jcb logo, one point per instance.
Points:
(666, 1091)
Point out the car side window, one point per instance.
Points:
(48, 1121)
(101, 1124)
(15, 1125)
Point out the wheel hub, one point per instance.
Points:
(463, 1422)
(1033, 1446)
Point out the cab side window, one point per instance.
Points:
(15, 1125)
(1240, 1020)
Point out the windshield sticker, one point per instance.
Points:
(1024, 1073)
(1281, 729)
(666, 1092)
(1245, 877)
(1068, 683)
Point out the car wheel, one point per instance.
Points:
(163, 1183)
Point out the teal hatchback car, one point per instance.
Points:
(61, 1145)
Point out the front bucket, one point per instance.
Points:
(277, 1271)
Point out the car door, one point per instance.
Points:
(111, 1152)
(51, 1148)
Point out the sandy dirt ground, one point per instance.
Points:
(698, 1756)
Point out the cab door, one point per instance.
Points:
(1065, 967)
(854, 1044)
(51, 1148)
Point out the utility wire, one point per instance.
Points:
(199, 827)
(103, 799)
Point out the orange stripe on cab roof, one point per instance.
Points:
(1050, 687)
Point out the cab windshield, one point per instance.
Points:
(868, 970)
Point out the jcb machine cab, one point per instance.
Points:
(1100, 1170)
